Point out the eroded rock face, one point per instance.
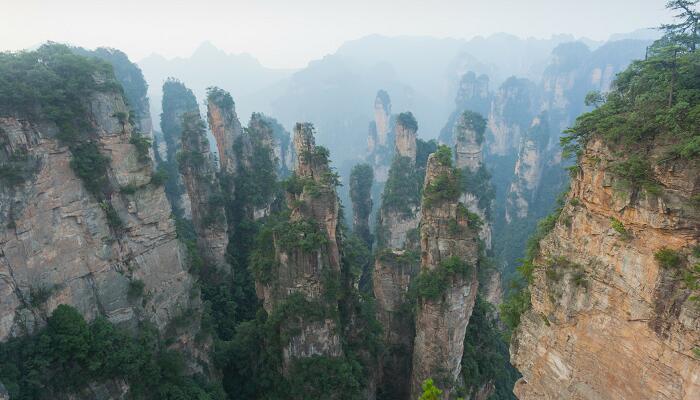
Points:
(606, 320)
(393, 272)
(528, 169)
(380, 142)
(441, 322)
(208, 206)
(405, 141)
(57, 246)
(468, 145)
(225, 127)
(303, 271)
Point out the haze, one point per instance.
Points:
(288, 34)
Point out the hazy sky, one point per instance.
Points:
(289, 33)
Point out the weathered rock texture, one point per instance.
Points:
(225, 127)
(303, 271)
(441, 323)
(467, 144)
(405, 140)
(607, 322)
(380, 143)
(361, 179)
(393, 272)
(178, 100)
(528, 169)
(198, 171)
(56, 245)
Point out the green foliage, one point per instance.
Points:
(636, 173)
(476, 122)
(444, 155)
(321, 378)
(136, 287)
(445, 187)
(69, 353)
(113, 219)
(220, 97)
(485, 358)
(430, 391)
(91, 166)
(304, 235)
(594, 98)
(431, 285)
(39, 295)
(479, 184)
(407, 120)
(656, 96)
(256, 182)
(668, 258)
(52, 83)
(142, 145)
(159, 177)
(361, 180)
(685, 31)
(319, 155)
(403, 186)
(619, 227)
(17, 169)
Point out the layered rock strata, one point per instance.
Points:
(607, 319)
(450, 254)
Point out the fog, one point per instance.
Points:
(289, 34)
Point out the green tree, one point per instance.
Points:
(430, 391)
(685, 30)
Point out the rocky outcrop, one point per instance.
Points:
(449, 259)
(361, 179)
(392, 276)
(607, 319)
(306, 255)
(59, 244)
(198, 171)
(225, 127)
(528, 169)
(380, 143)
(405, 136)
(473, 94)
(512, 110)
(382, 117)
(178, 100)
(468, 137)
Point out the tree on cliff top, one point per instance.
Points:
(685, 31)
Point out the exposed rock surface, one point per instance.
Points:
(405, 140)
(57, 247)
(198, 171)
(308, 271)
(178, 100)
(441, 322)
(607, 321)
(393, 272)
(528, 169)
(225, 127)
(467, 145)
(380, 142)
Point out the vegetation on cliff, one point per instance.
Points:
(69, 353)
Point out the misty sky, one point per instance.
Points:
(289, 33)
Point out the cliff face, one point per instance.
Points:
(447, 283)
(306, 255)
(60, 245)
(528, 169)
(224, 126)
(393, 272)
(607, 319)
(198, 171)
(178, 100)
(405, 138)
(512, 109)
(380, 146)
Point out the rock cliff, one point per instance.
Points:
(224, 126)
(607, 319)
(62, 244)
(447, 283)
(380, 142)
(178, 100)
(198, 172)
(306, 256)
